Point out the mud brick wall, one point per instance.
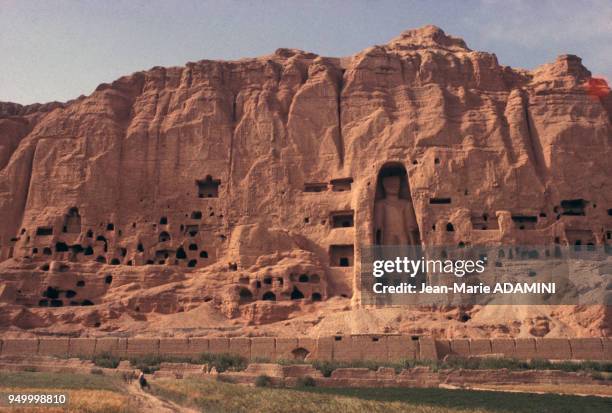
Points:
(114, 346)
(337, 348)
(82, 347)
(54, 347)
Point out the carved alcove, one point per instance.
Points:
(394, 218)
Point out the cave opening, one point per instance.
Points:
(164, 236)
(342, 219)
(525, 221)
(341, 255)
(180, 253)
(208, 187)
(72, 221)
(44, 231)
(61, 247)
(296, 294)
(573, 207)
(245, 295)
(269, 296)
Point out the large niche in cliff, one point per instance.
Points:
(208, 187)
(394, 218)
(72, 221)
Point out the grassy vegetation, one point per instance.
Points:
(306, 382)
(599, 370)
(106, 360)
(230, 362)
(485, 400)
(263, 381)
(214, 396)
(87, 393)
(151, 363)
(59, 381)
(103, 393)
(211, 396)
(224, 362)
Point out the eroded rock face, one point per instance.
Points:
(247, 189)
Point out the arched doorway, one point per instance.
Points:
(300, 353)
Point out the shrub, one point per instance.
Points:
(106, 360)
(148, 364)
(306, 382)
(541, 364)
(434, 365)
(598, 366)
(502, 363)
(290, 362)
(567, 366)
(325, 367)
(223, 362)
(225, 379)
(263, 381)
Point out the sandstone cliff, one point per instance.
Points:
(225, 193)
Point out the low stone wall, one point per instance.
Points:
(290, 375)
(336, 348)
(423, 377)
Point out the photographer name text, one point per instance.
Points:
(463, 288)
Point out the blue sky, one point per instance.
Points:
(60, 49)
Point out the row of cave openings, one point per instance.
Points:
(264, 288)
(342, 255)
(190, 252)
(56, 297)
(336, 185)
(337, 219)
(484, 221)
(567, 207)
(520, 253)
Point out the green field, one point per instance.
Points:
(471, 399)
(99, 393)
(211, 396)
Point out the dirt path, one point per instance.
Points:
(148, 402)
